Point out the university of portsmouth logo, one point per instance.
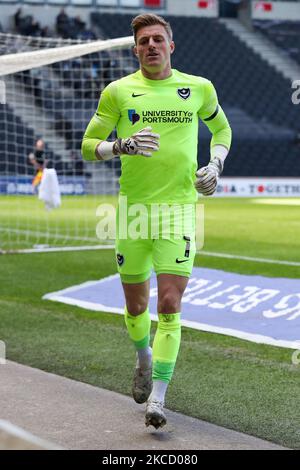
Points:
(133, 116)
(184, 93)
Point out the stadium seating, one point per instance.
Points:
(10, 126)
(284, 34)
(18, 139)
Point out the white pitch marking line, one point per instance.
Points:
(249, 258)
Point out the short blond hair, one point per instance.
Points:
(149, 19)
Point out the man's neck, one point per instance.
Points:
(159, 75)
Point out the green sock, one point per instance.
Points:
(139, 328)
(166, 346)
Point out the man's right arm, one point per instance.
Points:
(101, 125)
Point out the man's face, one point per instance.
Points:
(153, 48)
(39, 144)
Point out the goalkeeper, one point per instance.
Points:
(156, 111)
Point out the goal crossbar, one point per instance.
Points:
(12, 63)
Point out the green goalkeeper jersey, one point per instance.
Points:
(172, 108)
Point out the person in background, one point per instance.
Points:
(38, 161)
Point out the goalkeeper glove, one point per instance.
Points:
(143, 142)
(207, 177)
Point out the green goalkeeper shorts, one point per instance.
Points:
(155, 236)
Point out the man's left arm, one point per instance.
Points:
(214, 118)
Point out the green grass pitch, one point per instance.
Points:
(241, 385)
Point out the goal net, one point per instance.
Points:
(49, 90)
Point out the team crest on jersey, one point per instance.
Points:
(120, 259)
(184, 93)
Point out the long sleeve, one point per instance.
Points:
(214, 118)
(102, 123)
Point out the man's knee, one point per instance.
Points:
(169, 302)
(137, 297)
(136, 308)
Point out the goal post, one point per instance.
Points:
(49, 91)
